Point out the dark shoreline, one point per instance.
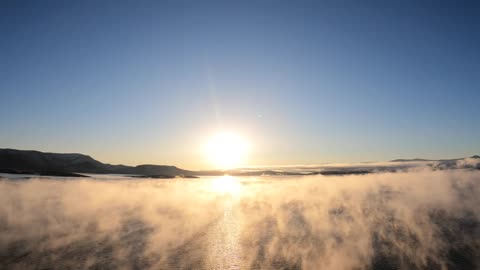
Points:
(42, 173)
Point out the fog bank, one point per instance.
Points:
(419, 219)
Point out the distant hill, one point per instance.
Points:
(36, 162)
(421, 159)
(411, 160)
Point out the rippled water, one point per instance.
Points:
(415, 220)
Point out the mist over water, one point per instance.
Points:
(420, 219)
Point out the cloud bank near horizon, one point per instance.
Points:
(400, 165)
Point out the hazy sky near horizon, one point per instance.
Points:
(304, 81)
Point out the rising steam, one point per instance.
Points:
(420, 219)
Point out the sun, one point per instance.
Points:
(226, 150)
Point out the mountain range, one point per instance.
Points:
(15, 161)
(36, 162)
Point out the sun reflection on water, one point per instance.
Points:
(224, 249)
(226, 185)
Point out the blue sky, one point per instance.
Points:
(305, 81)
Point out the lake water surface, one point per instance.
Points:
(413, 220)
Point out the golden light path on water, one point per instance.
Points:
(224, 250)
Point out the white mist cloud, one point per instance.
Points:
(416, 219)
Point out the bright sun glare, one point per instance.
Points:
(226, 150)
